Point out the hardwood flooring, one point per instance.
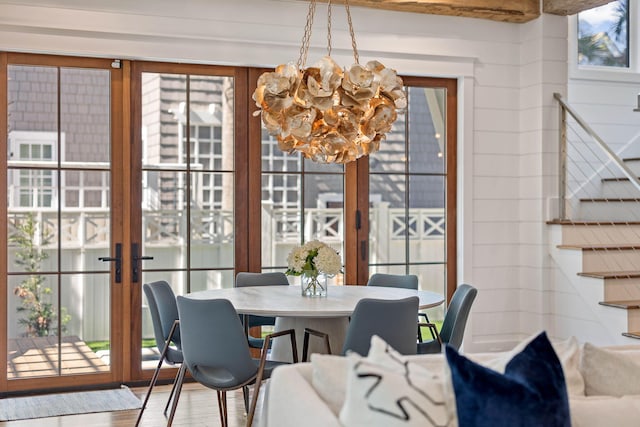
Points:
(198, 406)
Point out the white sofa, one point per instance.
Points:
(603, 385)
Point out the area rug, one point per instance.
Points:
(53, 405)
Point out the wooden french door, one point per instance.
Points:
(64, 171)
(189, 156)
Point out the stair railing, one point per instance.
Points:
(590, 178)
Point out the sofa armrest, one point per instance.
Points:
(292, 398)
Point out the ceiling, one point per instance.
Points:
(517, 11)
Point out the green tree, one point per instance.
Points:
(39, 313)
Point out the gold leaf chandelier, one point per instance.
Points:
(328, 114)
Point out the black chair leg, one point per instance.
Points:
(245, 396)
(181, 374)
(173, 390)
(154, 379)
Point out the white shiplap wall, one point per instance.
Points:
(506, 72)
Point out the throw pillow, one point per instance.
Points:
(608, 372)
(393, 394)
(531, 392)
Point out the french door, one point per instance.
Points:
(189, 154)
(64, 173)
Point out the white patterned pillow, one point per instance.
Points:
(383, 390)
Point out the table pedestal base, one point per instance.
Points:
(336, 327)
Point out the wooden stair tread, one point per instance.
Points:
(612, 200)
(600, 247)
(616, 179)
(627, 305)
(635, 335)
(611, 274)
(590, 223)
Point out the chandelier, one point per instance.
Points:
(328, 114)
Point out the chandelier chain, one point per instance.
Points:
(304, 49)
(329, 28)
(353, 34)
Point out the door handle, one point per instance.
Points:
(118, 260)
(134, 263)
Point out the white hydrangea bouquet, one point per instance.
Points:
(311, 260)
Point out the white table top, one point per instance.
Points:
(287, 301)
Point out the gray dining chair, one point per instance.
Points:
(392, 320)
(166, 329)
(455, 321)
(406, 281)
(217, 354)
(259, 279)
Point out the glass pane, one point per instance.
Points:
(91, 232)
(34, 318)
(426, 219)
(211, 123)
(86, 318)
(212, 223)
(324, 209)
(85, 107)
(164, 225)
(603, 35)
(86, 189)
(392, 155)
(32, 112)
(164, 98)
(32, 241)
(388, 226)
(432, 278)
(427, 130)
(211, 279)
(32, 314)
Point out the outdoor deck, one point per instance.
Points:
(38, 357)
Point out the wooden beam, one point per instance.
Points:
(570, 7)
(517, 11)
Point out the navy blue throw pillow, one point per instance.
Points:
(531, 392)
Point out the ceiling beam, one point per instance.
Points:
(517, 11)
(497, 10)
(570, 7)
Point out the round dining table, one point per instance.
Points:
(329, 314)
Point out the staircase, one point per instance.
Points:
(601, 248)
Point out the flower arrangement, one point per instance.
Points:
(312, 258)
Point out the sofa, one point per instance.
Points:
(602, 388)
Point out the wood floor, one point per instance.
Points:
(197, 407)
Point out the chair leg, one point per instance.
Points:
(181, 374)
(154, 379)
(173, 390)
(245, 396)
(223, 409)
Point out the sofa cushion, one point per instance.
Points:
(568, 351)
(531, 392)
(329, 379)
(598, 411)
(610, 373)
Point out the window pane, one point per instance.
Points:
(427, 130)
(603, 35)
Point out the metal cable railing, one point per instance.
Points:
(598, 188)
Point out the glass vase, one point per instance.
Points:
(314, 284)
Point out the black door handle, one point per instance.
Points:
(118, 260)
(134, 264)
